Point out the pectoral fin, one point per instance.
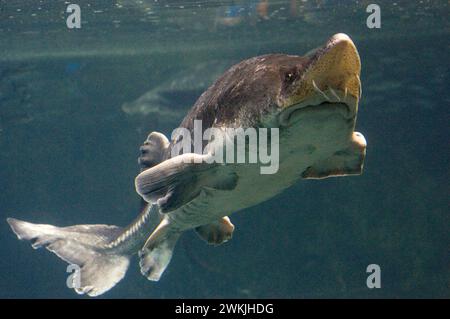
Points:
(153, 150)
(345, 162)
(180, 179)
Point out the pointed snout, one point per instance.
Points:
(338, 66)
(332, 73)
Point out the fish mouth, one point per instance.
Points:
(343, 103)
(331, 76)
(294, 114)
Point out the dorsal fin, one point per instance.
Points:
(153, 150)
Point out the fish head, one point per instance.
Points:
(318, 103)
(327, 75)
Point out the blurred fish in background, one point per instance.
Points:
(170, 100)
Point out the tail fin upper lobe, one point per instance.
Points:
(82, 245)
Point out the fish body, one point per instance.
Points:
(303, 108)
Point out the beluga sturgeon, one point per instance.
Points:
(309, 103)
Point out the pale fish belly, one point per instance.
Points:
(314, 135)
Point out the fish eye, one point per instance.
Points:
(289, 77)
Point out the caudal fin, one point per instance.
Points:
(83, 246)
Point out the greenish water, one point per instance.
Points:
(68, 146)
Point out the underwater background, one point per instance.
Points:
(75, 105)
